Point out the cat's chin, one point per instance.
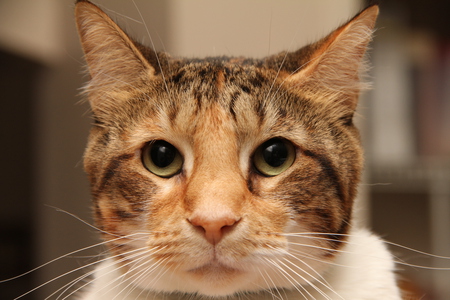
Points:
(216, 276)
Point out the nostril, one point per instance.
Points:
(196, 225)
(230, 226)
(214, 228)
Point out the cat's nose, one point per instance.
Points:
(214, 228)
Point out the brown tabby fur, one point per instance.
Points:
(216, 112)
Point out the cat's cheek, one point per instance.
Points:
(118, 229)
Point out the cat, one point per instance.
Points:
(229, 177)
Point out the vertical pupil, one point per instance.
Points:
(275, 153)
(162, 154)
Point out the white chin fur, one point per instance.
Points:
(363, 270)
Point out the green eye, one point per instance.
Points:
(162, 159)
(274, 157)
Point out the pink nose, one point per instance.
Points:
(214, 228)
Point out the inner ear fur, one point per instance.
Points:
(330, 69)
(114, 61)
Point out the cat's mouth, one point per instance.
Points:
(214, 268)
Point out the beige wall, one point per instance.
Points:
(230, 27)
(252, 27)
(34, 28)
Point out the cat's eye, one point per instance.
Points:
(274, 157)
(162, 159)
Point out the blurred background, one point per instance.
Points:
(405, 120)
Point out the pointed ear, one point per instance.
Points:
(331, 68)
(114, 61)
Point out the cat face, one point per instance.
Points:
(222, 175)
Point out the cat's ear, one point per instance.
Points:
(330, 68)
(114, 61)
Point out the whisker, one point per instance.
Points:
(294, 284)
(322, 239)
(325, 283)
(302, 234)
(397, 260)
(417, 251)
(83, 276)
(309, 282)
(70, 284)
(81, 220)
(142, 273)
(133, 279)
(53, 279)
(315, 233)
(270, 33)
(287, 77)
(279, 70)
(420, 266)
(312, 257)
(140, 251)
(60, 257)
(153, 46)
(322, 280)
(106, 84)
(146, 272)
(328, 249)
(275, 79)
(66, 273)
(273, 284)
(320, 247)
(123, 276)
(119, 14)
(159, 275)
(146, 253)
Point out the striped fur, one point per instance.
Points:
(216, 112)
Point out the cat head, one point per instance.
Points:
(211, 175)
